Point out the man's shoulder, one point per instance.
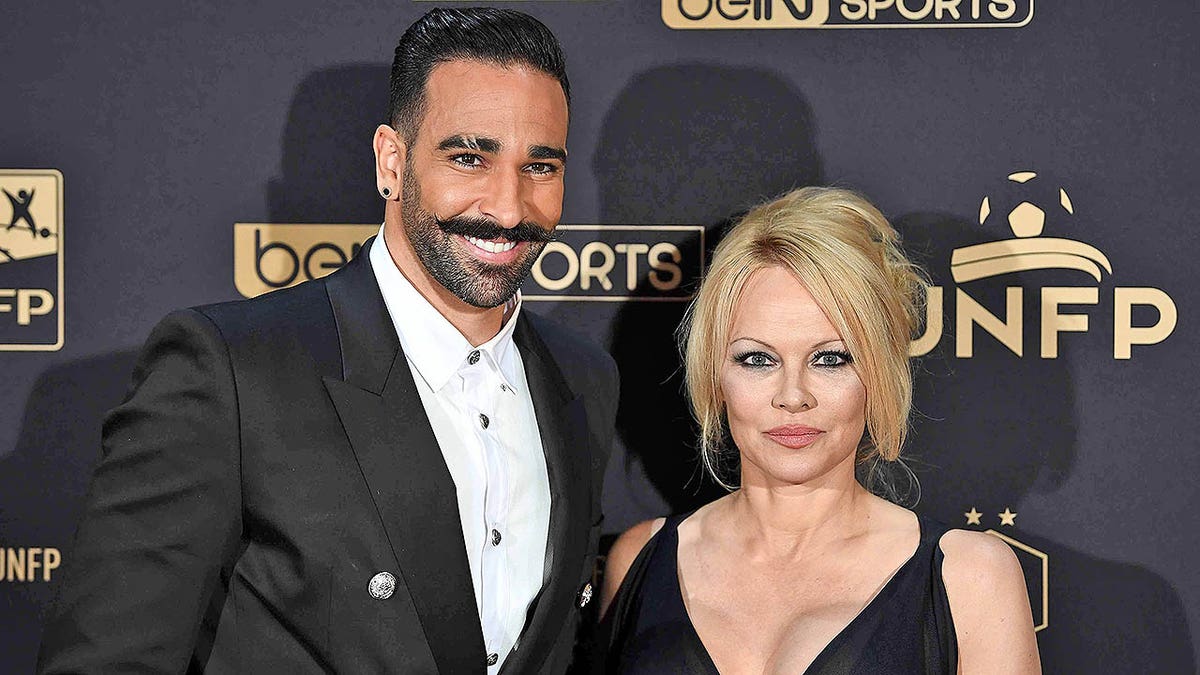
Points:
(567, 345)
(300, 306)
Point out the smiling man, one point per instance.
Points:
(393, 469)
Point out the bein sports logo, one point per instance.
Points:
(1028, 251)
(31, 260)
(612, 263)
(752, 14)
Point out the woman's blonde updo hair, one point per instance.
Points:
(849, 258)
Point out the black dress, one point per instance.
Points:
(905, 629)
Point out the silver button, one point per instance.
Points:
(473, 358)
(585, 595)
(493, 658)
(382, 586)
(484, 421)
(496, 537)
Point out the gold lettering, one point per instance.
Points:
(854, 10)
(1054, 323)
(876, 6)
(631, 252)
(657, 264)
(969, 312)
(1125, 334)
(911, 15)
(53, 558)
(1002, 9)
(947, 7)
(588, 271)
(33, 561)
(16, 564)
(26, 309)
(568, 278)
(934, 312)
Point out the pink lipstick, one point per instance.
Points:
(794, 436)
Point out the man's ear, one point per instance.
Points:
(390, 152)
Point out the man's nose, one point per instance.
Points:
(503, 200)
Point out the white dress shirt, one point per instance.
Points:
(477, 400)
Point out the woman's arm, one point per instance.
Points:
(989, 604)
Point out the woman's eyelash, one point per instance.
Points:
(831, 358)
(827, 358)
(753, 359)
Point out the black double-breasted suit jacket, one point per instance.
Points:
(272, 457)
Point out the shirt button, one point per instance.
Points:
(484, 421)
(493, 658)
(473, 358)
(496, 537)
(504, 387)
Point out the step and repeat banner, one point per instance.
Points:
(1039, 160)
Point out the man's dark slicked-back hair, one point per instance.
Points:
(498, 36)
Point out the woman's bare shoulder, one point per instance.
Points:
(989, 602)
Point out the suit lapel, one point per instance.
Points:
(563, 425)
(394, 444)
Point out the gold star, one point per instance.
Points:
(973, 516)
(1008, 517)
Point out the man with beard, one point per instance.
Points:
(392, 469)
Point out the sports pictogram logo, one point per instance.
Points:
(1030, 250)
(31, 260)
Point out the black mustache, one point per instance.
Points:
(482, 228)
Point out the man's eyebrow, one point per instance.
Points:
(462, 142)
(547, 152)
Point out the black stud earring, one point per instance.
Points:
(386, 192)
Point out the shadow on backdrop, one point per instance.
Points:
(690, 144)
(56, 450)
(327, 163)
(990, 429)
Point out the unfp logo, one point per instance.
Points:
(716, 14)
(1030, 250)
(31, 260)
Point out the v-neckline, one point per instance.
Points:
(885, 590)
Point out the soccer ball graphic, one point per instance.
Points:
(1026, 204)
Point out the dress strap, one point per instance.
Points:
(943, 622)
(616, 623)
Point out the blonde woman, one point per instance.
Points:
(796, 356)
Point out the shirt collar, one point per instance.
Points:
(431, 343)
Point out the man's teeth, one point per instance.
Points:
(492, 246)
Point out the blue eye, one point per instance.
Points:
(832, 358)
(756, 360)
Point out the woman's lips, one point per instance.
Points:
(794, 436)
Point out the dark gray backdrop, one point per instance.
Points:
(170, 122)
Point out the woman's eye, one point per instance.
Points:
(754, 360)
(831, 359)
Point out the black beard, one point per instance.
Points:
(476, 283)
